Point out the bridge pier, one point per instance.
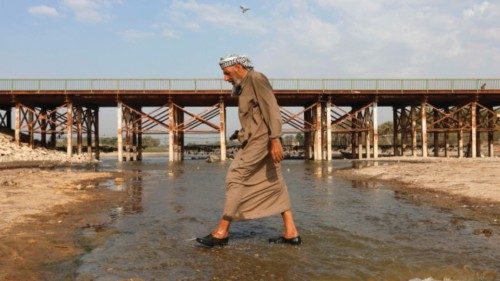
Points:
(359, 125)
(375, 128)
(328, 129)
(473, 126)
(308, 134)
(222, 130)
(317, 147)
(129, 124)
(491, 131)
(171, 131)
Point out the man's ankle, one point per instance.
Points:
(220, 234)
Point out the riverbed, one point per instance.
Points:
(142, 227)
(350, 229)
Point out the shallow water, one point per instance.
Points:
(350, 231)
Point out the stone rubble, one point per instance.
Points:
(11, 152)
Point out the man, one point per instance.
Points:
(254, 185)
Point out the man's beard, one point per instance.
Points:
(236, 87)
(236, 90)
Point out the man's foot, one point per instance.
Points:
(282, 240)
(210, 241)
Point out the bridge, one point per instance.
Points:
(467, 109)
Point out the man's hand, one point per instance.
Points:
(234, 136)
(276, 150)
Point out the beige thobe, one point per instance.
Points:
(254, 185)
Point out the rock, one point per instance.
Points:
(486, 231)
(213, 158)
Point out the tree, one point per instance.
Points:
(386, 128)
(300, 138)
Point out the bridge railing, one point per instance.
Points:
(219, 84)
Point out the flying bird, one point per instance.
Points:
(244, 9)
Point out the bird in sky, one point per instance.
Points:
(244, 9)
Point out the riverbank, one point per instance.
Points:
(43, 215)
(461, 184)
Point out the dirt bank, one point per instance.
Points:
(49, 218)
(468, 184)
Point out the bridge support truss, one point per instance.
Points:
(50, 123)
(447, 129)
(357, 126)
(169, 120)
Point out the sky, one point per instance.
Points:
(285, 39)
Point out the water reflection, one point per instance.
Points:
(351, 231)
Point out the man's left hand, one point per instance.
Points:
(276, 150)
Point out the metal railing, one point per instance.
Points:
(219, 84)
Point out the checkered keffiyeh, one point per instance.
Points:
(235, 59)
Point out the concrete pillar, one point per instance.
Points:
(89, 133)
(413, 131)
(96, 133)
(329, 129)
(133, 126)
(31, 122)
(139, 135)
(17, 133)
(460, 137)
(423, 117)
(375, 128)
(69, 130)
(79, 129)
(119, 136)
(473, 126)
(403, 125)
(478, 132)
(317, 132)
(222, 132)
(491, 131)
(368, 118)
(436, 133)
(43, 126)
(360, 135)
(395, 123)
(128, 132)
(171, 131)
(178, 136)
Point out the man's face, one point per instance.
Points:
(232, 74)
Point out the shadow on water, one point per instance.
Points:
(351, 230)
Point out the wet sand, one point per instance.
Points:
(466, 184)
(43, 213)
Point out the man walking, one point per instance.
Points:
(254, 185)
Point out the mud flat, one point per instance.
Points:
(49, 218)
(461, 184)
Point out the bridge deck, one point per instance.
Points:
(207, 92)
(108, 98)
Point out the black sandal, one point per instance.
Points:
(210, 241)
(282, 240)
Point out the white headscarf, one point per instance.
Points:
(233, 59)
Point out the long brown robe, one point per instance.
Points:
(254, 185)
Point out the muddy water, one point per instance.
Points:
(351, 231)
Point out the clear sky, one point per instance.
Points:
(293, 38)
